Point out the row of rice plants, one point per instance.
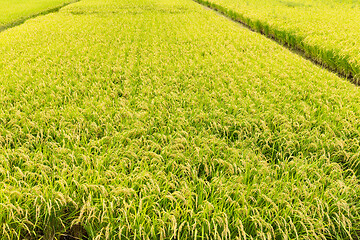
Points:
(13, 13)
(326, 31)
(156, 119)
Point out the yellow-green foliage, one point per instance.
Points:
(327, 31)
(16, 10)
(157, 119)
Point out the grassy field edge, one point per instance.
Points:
(326, 58)
(25, 18)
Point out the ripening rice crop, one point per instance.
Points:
(13, 11)
(327, 31)
(157, 119)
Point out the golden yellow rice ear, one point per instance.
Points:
(16, 13)
(318, 30)
(156, 119)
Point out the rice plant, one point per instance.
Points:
(13, 13)
(157, 119)
(325, 31)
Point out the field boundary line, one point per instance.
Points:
(291, 42)
(45, 12)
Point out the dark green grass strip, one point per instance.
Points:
(24, 19)
(321, 57)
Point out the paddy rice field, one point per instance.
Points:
(327, 31)
(161, 119)
(14, 12)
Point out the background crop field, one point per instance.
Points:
(158, 119)
(328, 31)
(14, 10)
